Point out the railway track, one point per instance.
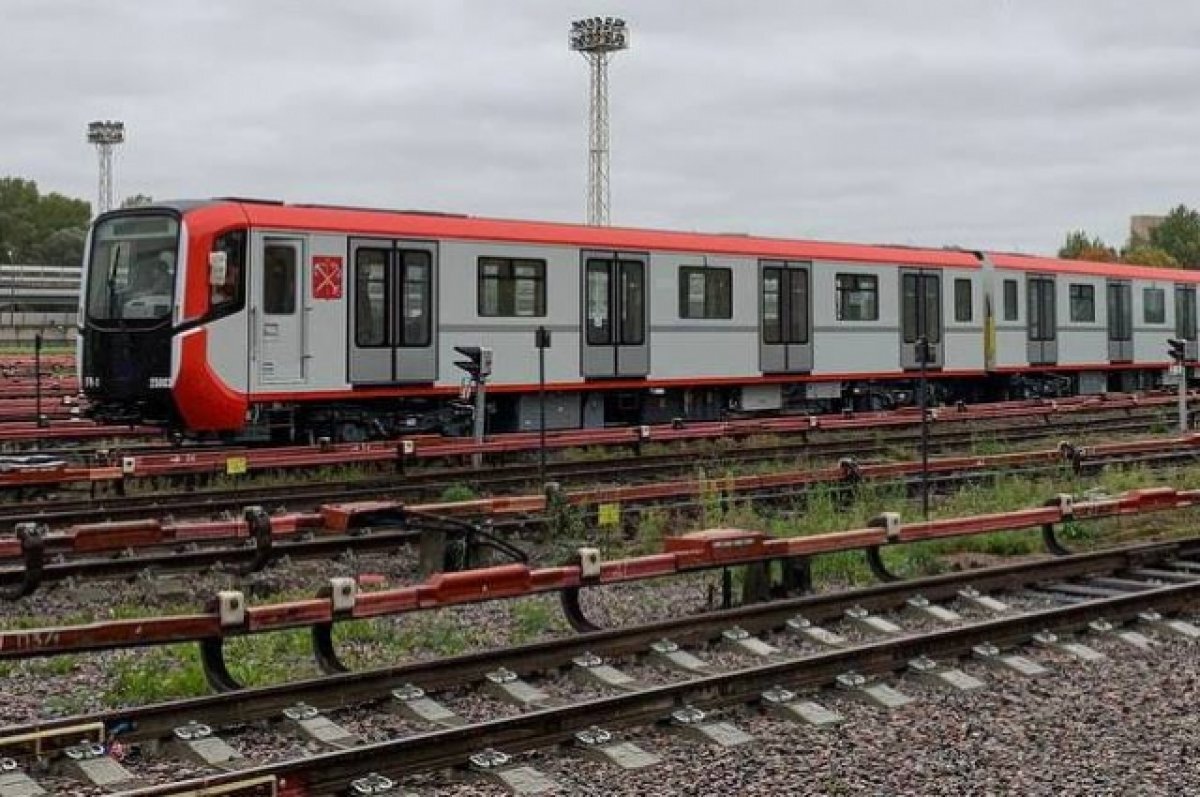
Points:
(106, 550)
(429, 482)
(121, 471)
(475, 714)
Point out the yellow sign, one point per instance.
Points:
(235, 466)
(609, 514)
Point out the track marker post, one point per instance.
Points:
(478, 366)
(541, 339)
(923, 390)
(1177, 349)
(37, 381)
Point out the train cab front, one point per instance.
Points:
(127, 316)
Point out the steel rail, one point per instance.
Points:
(330, 773)
(233, 544)
(349, 688)
(428, 447)
(422, 483)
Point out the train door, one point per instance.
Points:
(921, 316)
(1185, 317)
(785, 317)
(616, 314)
(1120, 321)
(278, 314)
(393, 311)
(1042, 347)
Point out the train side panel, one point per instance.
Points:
(843, 346)
(962, 319)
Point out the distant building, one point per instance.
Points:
(1140, 226)
(35, 299)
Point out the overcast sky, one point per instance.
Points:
(981, 123)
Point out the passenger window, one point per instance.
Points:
(1083, 303)
(1154, 306)
(705, 292)
(633, 303)
(230, 293)
(279, 279)
(414, 301)
(370, 298)
(857, 297)
(771, 294)
(509, 287)
(963, 311)
(1010, 300)
(599, 328)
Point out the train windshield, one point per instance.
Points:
(132, 268)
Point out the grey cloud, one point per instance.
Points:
(974, 122)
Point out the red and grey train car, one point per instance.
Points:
(239, 317)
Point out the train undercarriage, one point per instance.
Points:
(391, 418)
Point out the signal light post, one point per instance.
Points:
(1177, 350)
(541, 339)
(478, 366)
(923, 359)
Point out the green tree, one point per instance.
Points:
(63, 248)
(1079, 246)
(1179, 236)
(31, 223)
(1147, 255)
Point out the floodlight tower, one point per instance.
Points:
(596, 38)
(106, 136)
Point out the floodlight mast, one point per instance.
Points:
(105, 135)
(596, 38)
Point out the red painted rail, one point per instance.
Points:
(433, 447)
(94, 538)
(713, 548)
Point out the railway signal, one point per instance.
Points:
(1177, 350)
(478, 366)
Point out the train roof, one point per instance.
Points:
(432, 224)
(1056, 265)
(423, 224)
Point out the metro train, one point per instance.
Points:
(259, 319)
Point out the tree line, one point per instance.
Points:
(44, 229)
(1173, 243)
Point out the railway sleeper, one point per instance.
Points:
(693, 720)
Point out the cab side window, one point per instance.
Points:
(230, 294)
